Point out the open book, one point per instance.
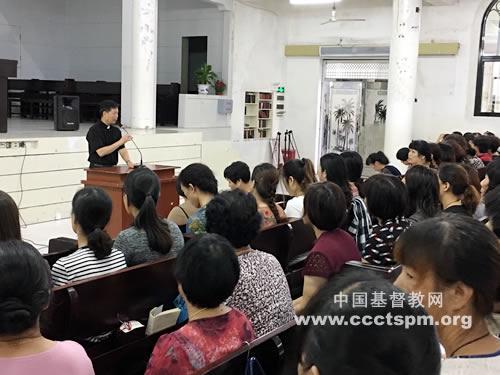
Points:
(160, 320)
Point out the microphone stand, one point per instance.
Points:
(122, 127)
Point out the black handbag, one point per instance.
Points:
(253, 367)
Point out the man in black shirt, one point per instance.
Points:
(105, 140)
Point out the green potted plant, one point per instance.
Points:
(219, 87)
(205, 77)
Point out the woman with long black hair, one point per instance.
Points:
(150, 237)
(91, 211)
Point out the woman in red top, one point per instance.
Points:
(207, 271)
(325, 208)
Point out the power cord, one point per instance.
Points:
(21, 186)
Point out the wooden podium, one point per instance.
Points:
(112, 179)
(8, 68)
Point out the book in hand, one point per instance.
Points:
(160, 320)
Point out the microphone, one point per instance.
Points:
(122, 127)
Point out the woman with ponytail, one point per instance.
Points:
(91, 211)
(298, 174)
(456, 193)
(150, 237)
(357, 222)
(266, 178)
(25, 289)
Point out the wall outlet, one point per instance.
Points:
(13, 144)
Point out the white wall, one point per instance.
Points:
(32, 32)
(173, 25)
(93, 39)
(58, 39)
(53, 168)
(446, 85)
(257, 63)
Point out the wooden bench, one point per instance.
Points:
(97, 307)
(277, 353)
(290, 242)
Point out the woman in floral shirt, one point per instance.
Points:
(207, 271)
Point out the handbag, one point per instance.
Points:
(253, 367)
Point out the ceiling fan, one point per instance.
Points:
(334, 18)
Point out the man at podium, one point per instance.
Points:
(106, 140)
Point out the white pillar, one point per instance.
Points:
(402, 75)
(139, 63)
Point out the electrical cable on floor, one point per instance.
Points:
(24, 225)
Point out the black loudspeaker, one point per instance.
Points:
(66, 112)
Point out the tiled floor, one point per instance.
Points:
(40, 234)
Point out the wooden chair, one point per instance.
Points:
(276, 352)
(302, 239)
(274, 240)
(56, 245)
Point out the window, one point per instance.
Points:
(488, 78)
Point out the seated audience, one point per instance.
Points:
(265, 178)
(402, 155)
(458, 258)
(492, 177)
(387, 199)
(464, 153)
(354, 167)
(207, 272)
(361, 348)
(482, 146)
(379, 163)
(238, 177)
(492, 205)
(262, 292)
(435, 153)
(25, 289)
(456, 193)
(181, 213)
(422, 185)
(447, 153)
(91, 211)
(420, 154)
(199, 186)
(10, 228)
(298, 174)
(150, 237)
(325, 209)
(358, 222)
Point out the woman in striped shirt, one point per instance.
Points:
(91, 211)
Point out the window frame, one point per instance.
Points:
(482, 60)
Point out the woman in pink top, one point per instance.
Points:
(24, 293)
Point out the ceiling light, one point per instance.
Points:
(312, 2)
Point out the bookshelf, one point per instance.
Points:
(258, 115)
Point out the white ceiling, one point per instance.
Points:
(283, 6)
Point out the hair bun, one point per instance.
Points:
(14, 311)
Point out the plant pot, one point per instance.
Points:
(203, 89)
(219, 93)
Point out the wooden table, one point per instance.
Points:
(111, 179)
